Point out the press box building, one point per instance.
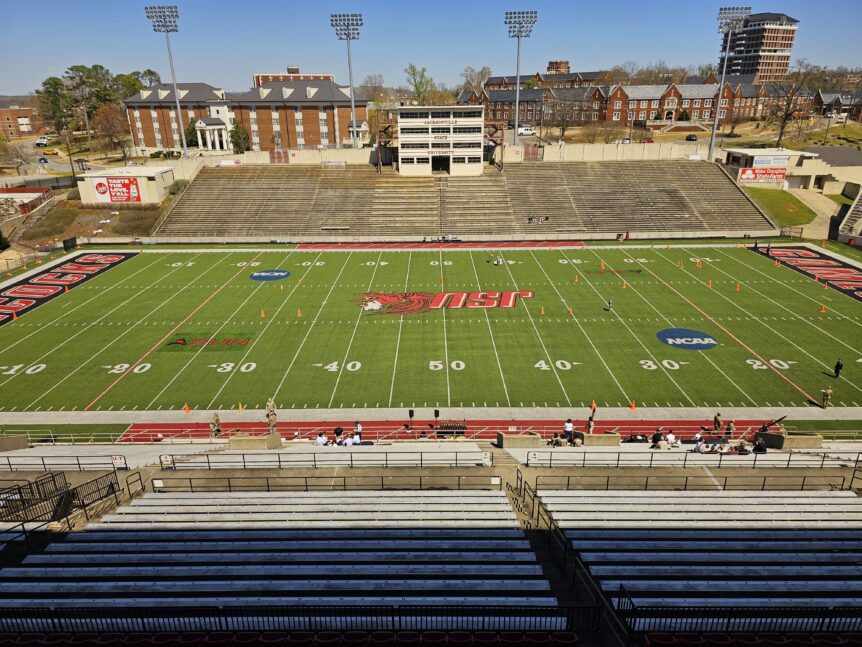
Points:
(447, 139)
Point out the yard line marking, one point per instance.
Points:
(353, 335)
(636, 338)
(823, 364)
(725, 330)
(491, 333)
(171, 332)
(584, 332)
(445, 336)
(269, 322)
(90, 325)
(538, 334)
(671, 325)
(311, 327)
(116, 339)
(400, 325)
(81, 305)
(795, 315)
(787, 285)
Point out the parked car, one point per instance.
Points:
(42, 142)
(691, 138)
(649, 140)
(43, 160)
(50, 151)
(840, 120)
(627, 140)
(526, 131)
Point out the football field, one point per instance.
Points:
(686, 327)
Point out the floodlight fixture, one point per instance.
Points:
(730, 19)
(346, 27)
(165, 19)
(520, 25)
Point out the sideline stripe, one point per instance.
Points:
(400, 326)
(445, 336)
(171, 332)
(723, 329)
(491, 334)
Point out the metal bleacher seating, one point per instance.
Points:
(681, 556)
(293, 549)
(576, 197)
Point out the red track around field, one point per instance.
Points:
(485, 430)
(527, 244)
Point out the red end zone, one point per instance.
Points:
(485, 430)
(528, 244)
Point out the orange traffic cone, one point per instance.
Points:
(14, 316)
(632, 405)
(281, 288)
(593, 404)
(542, 311)
(262, 313)
(698, 265)
(825, 284)
(737, 286)
(570, 312)
(298, 313)
(822, 309)
(187, 408)
(777, 263)
(575, 281)
(601, 265)
(624, 285)
(823, 243)
(709, 283)
(441, 279)
(65, 289)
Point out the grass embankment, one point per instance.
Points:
(69, 218)
(782, 207)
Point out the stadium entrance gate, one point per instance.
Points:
(440, 164)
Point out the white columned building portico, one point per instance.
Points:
(216, 133)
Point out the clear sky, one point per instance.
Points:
(224, 42)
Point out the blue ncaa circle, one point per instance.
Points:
(269, 275)
(686, 339)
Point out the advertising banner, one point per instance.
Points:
(117, 189)
(762, 174)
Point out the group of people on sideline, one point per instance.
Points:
(340, 438)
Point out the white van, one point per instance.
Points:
(526, 131)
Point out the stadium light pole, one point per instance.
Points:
(520, 25)
(346, 27)
(165, 19)
(729, 20)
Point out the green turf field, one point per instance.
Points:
(106, 345)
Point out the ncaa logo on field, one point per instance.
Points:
(686, 339)
(269, 275)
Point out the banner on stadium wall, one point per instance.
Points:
(31, 292)
(117, 189)
(771, 160)
(762, 174)
(838, 275)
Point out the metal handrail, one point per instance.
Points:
(546, 458)
(325, 483)
(345, 459)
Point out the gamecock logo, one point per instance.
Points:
(408, 303)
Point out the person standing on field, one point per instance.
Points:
(839, 366)
(827, 396)
(610, 304)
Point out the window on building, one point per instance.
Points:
(632, 104)
(616, 116)
(459, 160)
(441, 130)
(407, 160)
(694, 114)
(643, 104)
(441, 114)
(721, 114)
(413, 115)
(670, 103)
(414, 145)
(642, 115)
(595, 116)
(469, 114)
(474, 160)
(631, 116)
(505, 115)
(422, 160)
(685, 103)
(439, 144)
(415, 131)
(654, 103)
(723, 102)
(697, 103)
(618, 105)
(595, 105)
(467, 145)
(466, 130)
(652, 114)
(706, 114)
(707, 103)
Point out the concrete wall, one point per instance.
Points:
(613, 152)
(315, 157)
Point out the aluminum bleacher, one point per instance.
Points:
(300, 550)
(719, 561)
(537, 199)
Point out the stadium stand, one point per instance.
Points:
(368, 549)
(578, 198)
(705, 560)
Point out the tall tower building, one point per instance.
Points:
(761, 47)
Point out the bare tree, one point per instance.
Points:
(372, 88)
(112, 127)
(475, 79)
(563, 116)
(791, 97)
(20, 156)
(611, 132)
(592, 132)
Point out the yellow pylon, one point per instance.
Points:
(542, 311)
(575, 281)
(241, 408)
(698, 265)
(262, 313)
(825, 284)
(281, 288)
(709, 283)
(624, 285)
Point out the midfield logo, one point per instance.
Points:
(409, 303)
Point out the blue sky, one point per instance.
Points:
(223, 42)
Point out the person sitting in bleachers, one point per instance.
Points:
(555, 441)
(321, 440)
(656, 438)
(759, 446)
(701, 447)
(671, 439)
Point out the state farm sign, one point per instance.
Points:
(762, 174)
(117, 189)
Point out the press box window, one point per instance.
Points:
(406, 160)
(422, 160)
(459, 160)
(441, 115)
(414, 131)
(474, 160)
(440, 130)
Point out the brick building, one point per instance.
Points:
(277, 115)
(20, 122)
(761, 47)
(547, 80)
(500, 104)
(292, 74)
